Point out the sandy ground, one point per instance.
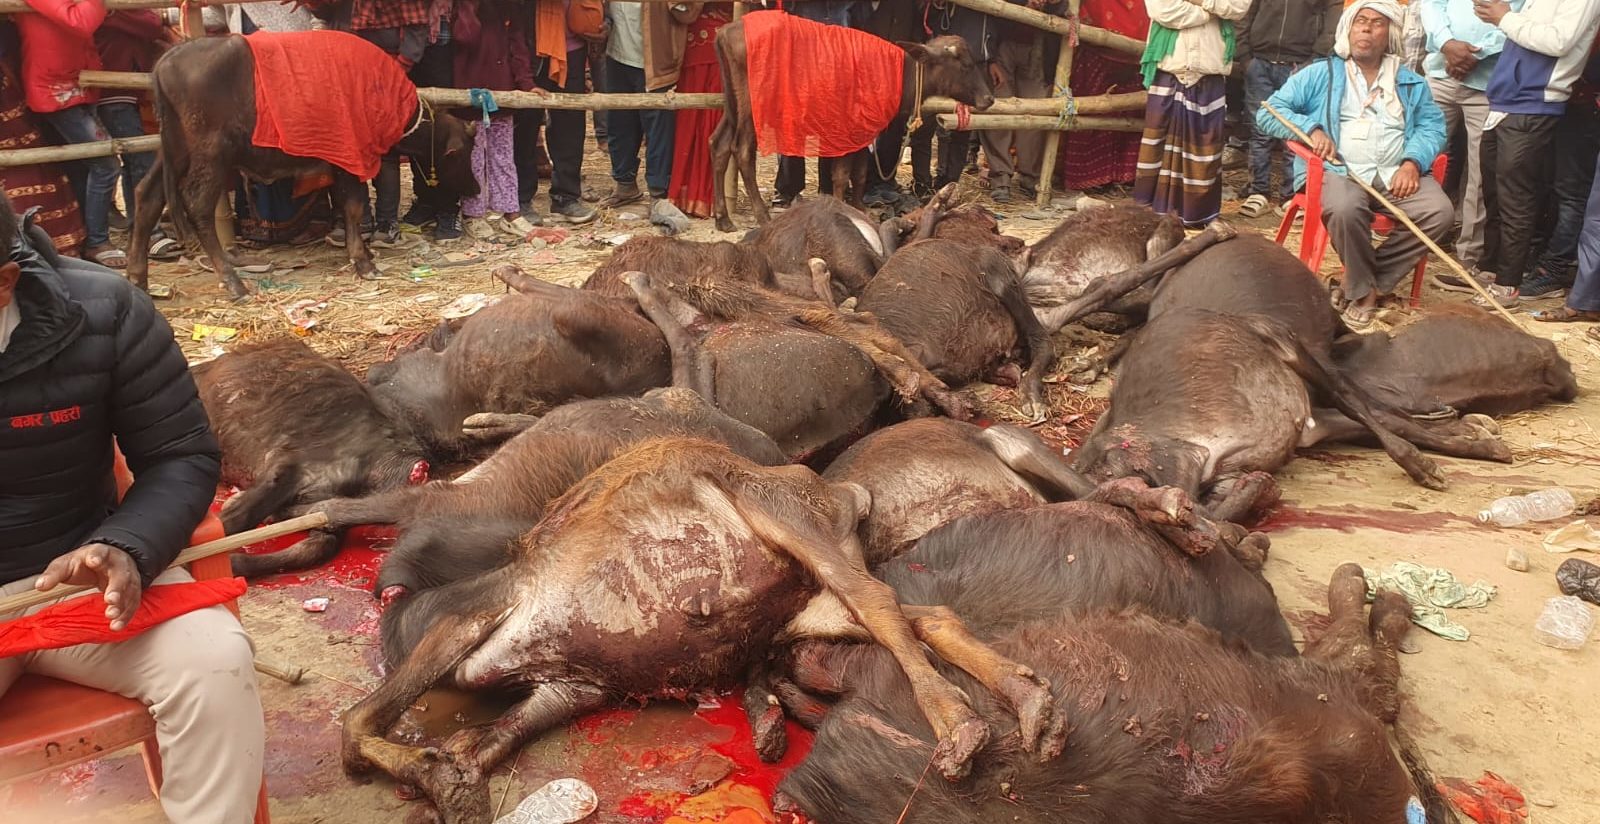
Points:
(1498, 701)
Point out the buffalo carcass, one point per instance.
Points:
(296, 428)
(943, 66)
(1457, 359)
(522, 356)
(676, 259)
(205, 98)
(672, 568)
(1170, 723)
(1091, 244)
(455, 529)
(823, 228)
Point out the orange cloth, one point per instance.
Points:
(350, 124)
(818, 90)
(550, 38)
(83, 620)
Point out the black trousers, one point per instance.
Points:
(436, 68)
(885, 160)
(1517, 157)
(564, 135)
(951, 157)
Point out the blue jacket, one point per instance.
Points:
(1311, 101)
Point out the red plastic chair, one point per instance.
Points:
(48, 725)
(1314, 239)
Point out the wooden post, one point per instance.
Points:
(1062, 85)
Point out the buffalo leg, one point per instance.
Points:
(519, 281)
(1167, 510)
(202, 187)
(149, 199)
(896, 363)
(274, 490)
(1464, 437)
(961, 731)
(721, 155)
(1248, 492)
(691, 369)
(1346, 396)
(1041, 353)
(889, 233)
(480, 749)
(745, 144)
(765, 713)
(934, 211)
(460, 796)
(1104, 290)
(1022, 450)
(821, 280)
(1043, 731)
(489, 428)
(316, 549)
(353, 194)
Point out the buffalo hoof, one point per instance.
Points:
(1489, 425)
(461, 796)
(724, 223)
(767, 729)
(1043, 731)
(953, 756)
(366, 271)
(1424, 471)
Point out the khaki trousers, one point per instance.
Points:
(197, 674)
(1021, 62)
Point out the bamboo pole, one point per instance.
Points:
(33, 598)
(1461, 271)
(20, 6)
(1050, 123)
(1046, 106)
(79, 151)
(1087, 35)
(1060, 90)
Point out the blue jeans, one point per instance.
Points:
(122, 120)
(1261, 79)
(1577, 138)
(79, 125)
(625, 129)
(1585, 294)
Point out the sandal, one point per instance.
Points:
(1254, 206)
(1565, 314)
(1358, 318)
(165, 248)
(109, 256)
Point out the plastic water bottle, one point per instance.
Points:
(562, 801)
(1564, 624)
(1516, 510)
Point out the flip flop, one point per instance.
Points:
(110, 257)
(1564, 314)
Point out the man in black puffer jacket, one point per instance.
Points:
(85, 358)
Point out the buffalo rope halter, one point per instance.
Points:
(913, 124)
(424, 107)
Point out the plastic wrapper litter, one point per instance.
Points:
(1581, 578)
(1565, 623)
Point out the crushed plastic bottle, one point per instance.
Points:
(1565, 623)
(1579, 578)
(562, 801)
(1516, 510)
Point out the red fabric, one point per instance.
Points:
(690, 189)
(1090, 160)
(42, 185)
(83, 620)
(57, 43)
(818, 90)
(351, 123)
(1489, 800)
(1125, 17)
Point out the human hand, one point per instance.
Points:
(106, 568)
(1460, 58)
(605, 32)
(1322, 145)
(1406, 181)
(1490, 11)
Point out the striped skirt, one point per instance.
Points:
(1180, 154)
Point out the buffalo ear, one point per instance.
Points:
(918, 51)
(471, 127)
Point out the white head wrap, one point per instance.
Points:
(1388, 74)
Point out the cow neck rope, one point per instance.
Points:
(912, 124)
(424, 107)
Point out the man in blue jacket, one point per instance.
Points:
(1366, 109)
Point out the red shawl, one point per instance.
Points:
(818, 90)
(83, 620)
(332, 96)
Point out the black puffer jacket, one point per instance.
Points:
(93, 359)
(1288, 31)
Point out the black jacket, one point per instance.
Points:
(93, 359)
(1288, 31)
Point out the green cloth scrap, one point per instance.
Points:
(1431, 591)
(1161, 41)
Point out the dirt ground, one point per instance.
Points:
(1498, 701)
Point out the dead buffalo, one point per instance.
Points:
(526, 354)
(1169, 723)
(942, 66)
(1089, 245)
(205, 97)
(672, 568)
(296, 428)
(1457, 358)
(451, 530)
(824, 228)
(927, 472)
(670, 258)
(1252, 275)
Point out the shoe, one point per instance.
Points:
(1506, 296)
(1358, 318)
(336, 234)
(447, 226)
(1454, 283)
(622, 195)
(922, 190)
(780, 201)
(531, 215)
(1542, 284)
(1029, 191)
(516, 227)
(419, 216)
(479, 228)
(1254, 206)
(658, 194)
(1000, 194)
(881, 196)
(388, 236)
(574, 212)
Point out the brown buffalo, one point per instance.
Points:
(1089, 245)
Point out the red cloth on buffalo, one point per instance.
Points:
(818, 90)
(332, 96)
(83, 620)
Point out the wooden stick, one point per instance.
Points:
(1061, 90)
(1400, 215)
(1047, 106)
(1087, 35)
(979, 122)
(33, 598)
(281, 670)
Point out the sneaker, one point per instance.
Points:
(419, 216)
(622, 195)
(479, 228)
(1506, 296)
(1543, 284)
(388, 236)
(881, 196)
(531, 215)
(447, 226)
(1454, 283)
(574, 212)
(1000, 194)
